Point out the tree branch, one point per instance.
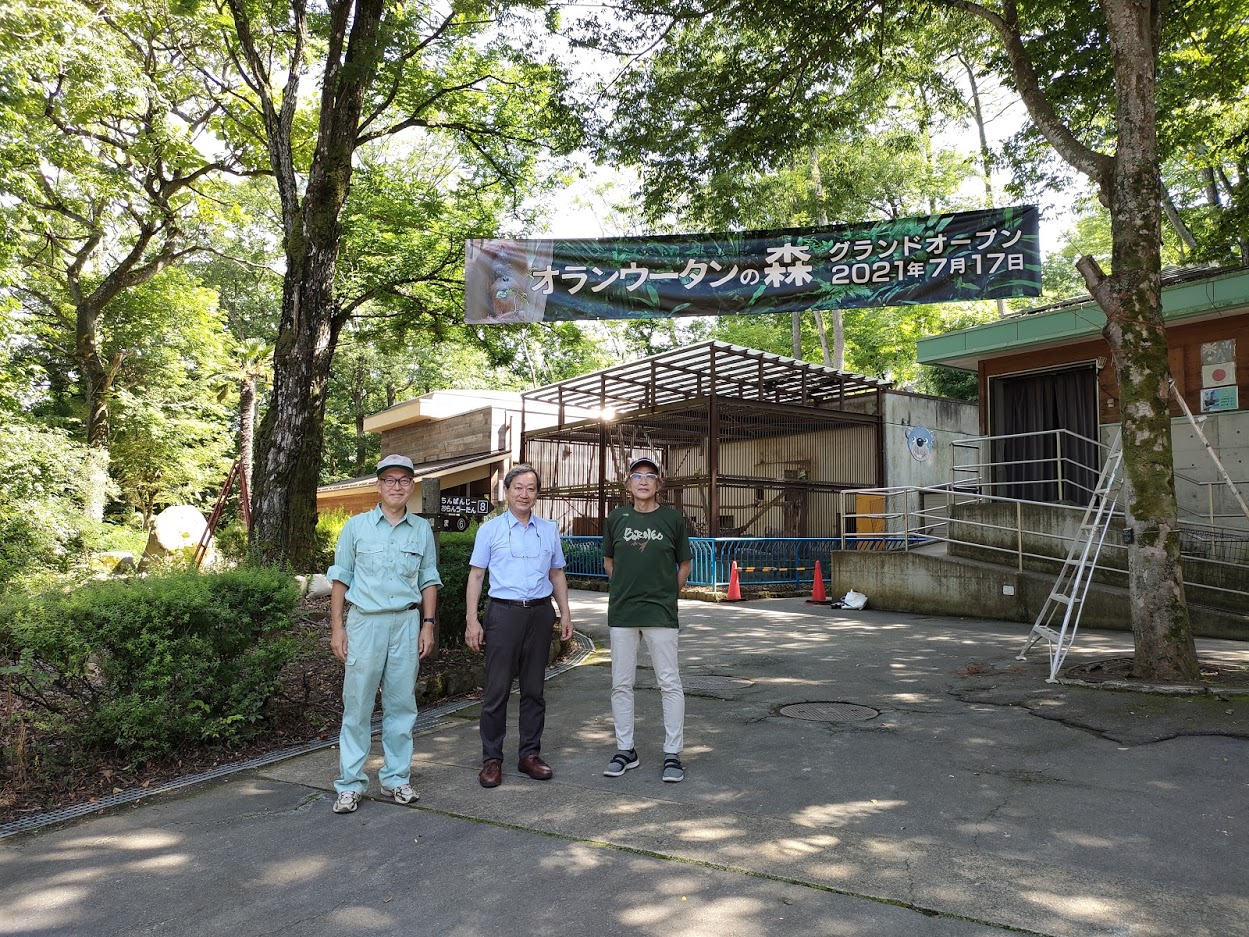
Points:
(1097, 166)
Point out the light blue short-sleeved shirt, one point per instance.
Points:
(385, 566)
(518, 556)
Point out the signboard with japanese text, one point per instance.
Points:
(987, 254)
(463, 504)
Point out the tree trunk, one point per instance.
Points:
(247, 428)
(95, 379)
(357, 402)
(284, 500)
(836, 358)
(284, 496)
(1131, 296)
(1182, 230)
(986, 155)
(1132, 299)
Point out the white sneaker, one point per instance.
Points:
(403, 794)
(347, 802)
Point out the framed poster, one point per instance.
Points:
(1214, 399)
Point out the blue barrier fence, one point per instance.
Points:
(761, 561)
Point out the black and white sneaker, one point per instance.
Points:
(673, 772)
(620, 763)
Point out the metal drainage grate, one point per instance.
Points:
(830, 712)
(712, 682)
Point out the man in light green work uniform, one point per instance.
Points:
(385, 566)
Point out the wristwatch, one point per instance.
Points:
(430, 620)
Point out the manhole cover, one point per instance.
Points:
(709, 682)
(829, 712)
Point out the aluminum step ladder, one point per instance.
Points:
(1073, 581)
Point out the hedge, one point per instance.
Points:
(146, 666)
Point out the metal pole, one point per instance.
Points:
(1019, 533)
(1058, 449)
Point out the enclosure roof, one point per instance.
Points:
(1187, 296)
(701, 370)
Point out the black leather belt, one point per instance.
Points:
(523, 603)
(414, 606)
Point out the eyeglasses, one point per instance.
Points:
(644, 477)
(397, 482)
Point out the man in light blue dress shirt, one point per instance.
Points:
(385, 565)
(526, 563)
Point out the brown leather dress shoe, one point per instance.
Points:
(535, 767)
(491, 774)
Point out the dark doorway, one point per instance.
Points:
(1037, 464)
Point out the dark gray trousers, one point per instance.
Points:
(518, 643)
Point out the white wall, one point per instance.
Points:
(1228, 434)
(948, 420)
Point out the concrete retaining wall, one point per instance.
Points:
(936, 585)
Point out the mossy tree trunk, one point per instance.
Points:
(1131, 296)
(1129, 185)
(289, 441)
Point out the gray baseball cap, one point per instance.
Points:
(395, 460)
(645, 460)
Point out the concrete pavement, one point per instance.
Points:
(979, 801)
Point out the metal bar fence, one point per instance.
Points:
(761, 561)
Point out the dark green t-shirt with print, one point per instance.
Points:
(645, 550)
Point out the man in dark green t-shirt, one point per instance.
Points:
(646, 550)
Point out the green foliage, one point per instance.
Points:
(171, 433)
(454, 550)
(231, 541)
(949, 382)
(41, 481)
(1202, 119)
(329, 526)
(149, 665)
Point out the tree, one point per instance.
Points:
(383, 70)
(171, 435)
(882, 170)
(108, 115)
(757, 79)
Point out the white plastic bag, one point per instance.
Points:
(854, 599)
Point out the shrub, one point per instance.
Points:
(454, 550)
(149, 665)
(329, 526)
(231, 541)
(105, 537)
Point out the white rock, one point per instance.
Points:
(177, 530)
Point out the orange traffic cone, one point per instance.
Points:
(735, 587)
(817, 588)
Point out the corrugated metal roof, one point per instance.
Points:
(424, 470)
(698, 371)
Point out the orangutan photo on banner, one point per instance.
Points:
(497, 281)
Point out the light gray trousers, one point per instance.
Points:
(662, 644)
